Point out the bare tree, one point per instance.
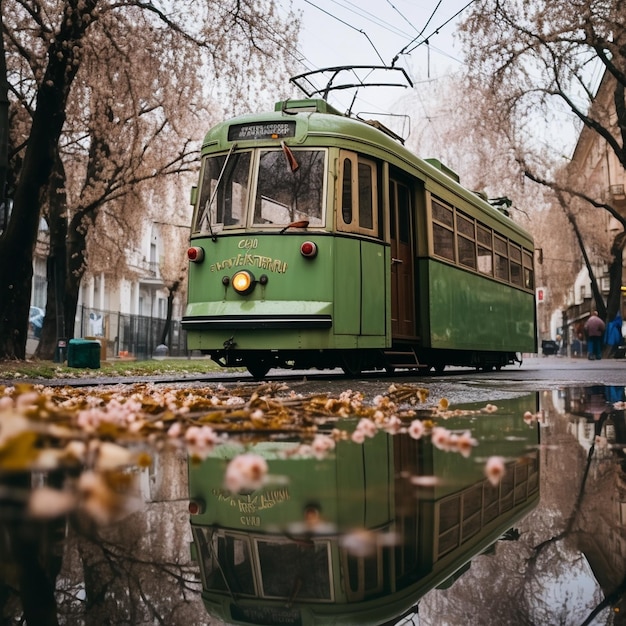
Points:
(541, 62)
(141, 67)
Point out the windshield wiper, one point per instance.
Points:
(291, 159)
(298, 224)
(209, 203)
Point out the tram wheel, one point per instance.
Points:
(258, 369)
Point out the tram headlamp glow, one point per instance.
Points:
(243, 282)
(308, 250)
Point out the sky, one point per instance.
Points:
(375, 32)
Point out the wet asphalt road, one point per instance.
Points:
(536, 373)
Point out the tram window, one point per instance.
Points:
(443, 242)
(225, 561)
(516, 264)
(290, 568)
(465, 225)
(359, 195)
(286, 193)
(484, 247)
(467, 252)
(224, 204)
(443, 231)
(366, 196)
(501, 257)
(346, 192)
(365, 574)
(529, 275)
(443, 214)
(465, 240)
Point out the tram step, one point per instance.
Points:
(403, 359)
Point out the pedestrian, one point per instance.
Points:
(594, 327)
(613, 335)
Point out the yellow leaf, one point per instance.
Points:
(19, 452)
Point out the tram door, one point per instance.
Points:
(402, 284)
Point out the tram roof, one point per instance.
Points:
(330, 126)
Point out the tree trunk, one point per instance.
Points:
(54, 321)
(17, 243)
(4, 132)
(168, 320)
(595, 289)
(615, 277)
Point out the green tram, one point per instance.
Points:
(319, 241)
(378, 541)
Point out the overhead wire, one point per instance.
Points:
(406, 49)
(359, 30)
(386, 25)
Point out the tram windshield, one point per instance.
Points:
(224, 192)
(290, 187)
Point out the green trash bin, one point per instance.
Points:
(83, 353)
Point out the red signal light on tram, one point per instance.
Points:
(195, 254)
(308, 250)
(196, 507)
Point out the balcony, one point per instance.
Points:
(151, 275)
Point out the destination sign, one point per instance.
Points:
(261, 130)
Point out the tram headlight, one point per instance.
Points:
(243, 282)
(308, 250)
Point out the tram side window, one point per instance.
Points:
(465, 241)
(529, 274)
(366, 196)
(443, 231)
(501, 257)
(515, 255)
(358, 195)
(484, 247)
(346, 192)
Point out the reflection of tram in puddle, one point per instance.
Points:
(265, 560)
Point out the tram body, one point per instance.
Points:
(318, 240)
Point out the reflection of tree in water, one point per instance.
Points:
(573, 532)
(30, 558)
(68, 571)
(124, 583)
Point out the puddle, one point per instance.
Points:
(513, 512)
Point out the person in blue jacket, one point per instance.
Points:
(613, 334)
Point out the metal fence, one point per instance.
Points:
(125, 335)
